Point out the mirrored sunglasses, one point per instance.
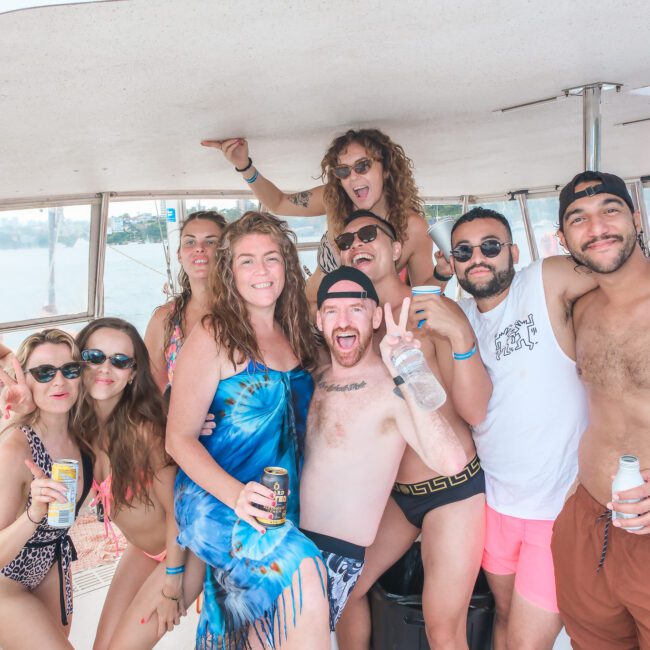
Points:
(45, 373)
(97, 357)
(489, 248)
(360, 167)
(365, 234)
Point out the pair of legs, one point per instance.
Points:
(452, 544)
(519, 568)
(31, 620)
(134, 590)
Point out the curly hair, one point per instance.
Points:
(176, 314)
(228, 314)
(25, 350)
(134, 434)
(400, 190)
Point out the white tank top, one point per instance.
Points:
(528, 442)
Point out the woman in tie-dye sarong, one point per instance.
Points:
(247, 364)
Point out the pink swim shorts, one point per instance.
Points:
(522, 547)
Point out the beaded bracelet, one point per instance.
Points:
(460, 356)
(245, 169)
(253, 178)
(174, 570)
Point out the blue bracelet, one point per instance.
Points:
(459, 356)
(175, 570)
(253, 178)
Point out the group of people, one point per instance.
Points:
(544, 372)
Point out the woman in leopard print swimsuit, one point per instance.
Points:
(35, 577)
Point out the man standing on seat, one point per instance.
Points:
(449, 512)
(357, 429)
(600, 564)
(528, 442)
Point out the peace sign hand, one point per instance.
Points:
(396, 333)
(16, 394)
(43, 491)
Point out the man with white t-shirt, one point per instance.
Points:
(528, 442)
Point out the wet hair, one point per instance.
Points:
(25, 350)
(228, 314)
(134, 434)
(176, 314)
(482, 213)
(400, 190)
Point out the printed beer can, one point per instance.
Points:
(276, 479)
(61, 515)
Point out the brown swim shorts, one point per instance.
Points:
(606, 608)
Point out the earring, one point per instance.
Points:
(130, 380)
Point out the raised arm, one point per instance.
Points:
(466, 378)
(308, 203)
(154, 339)
(426, 431)
(419, 249)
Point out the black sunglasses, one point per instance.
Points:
(97, 357)
(489, 248)
(360, 167)
(45, 373)
(366, 234)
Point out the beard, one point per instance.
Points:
(499, 282)
(582, 256)
(348, 358)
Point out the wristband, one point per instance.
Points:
(38, 523)
(253, 178)
(174, 570)
(439, 276)
(245, 169)
(164, 595)
(460, 356)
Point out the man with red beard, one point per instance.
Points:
(528, 441)
(448, 511)
(358, 426)
(603, 595)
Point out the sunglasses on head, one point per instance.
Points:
(489, 248)
(365, 234)
(46, 372)
(97, 357)
(360, 167)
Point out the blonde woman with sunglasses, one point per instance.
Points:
(35, 558)
(362, 170)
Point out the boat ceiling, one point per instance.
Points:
(115, 96)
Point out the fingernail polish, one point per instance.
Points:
(272, 503)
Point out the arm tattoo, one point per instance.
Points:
(300, 198)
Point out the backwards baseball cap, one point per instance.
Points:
(346, 273)
(609, 184)
(357, 214)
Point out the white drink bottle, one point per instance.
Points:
(414, 369)
(627, 477)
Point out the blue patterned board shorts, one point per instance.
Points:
(344, 562)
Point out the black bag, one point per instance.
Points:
(396, 602)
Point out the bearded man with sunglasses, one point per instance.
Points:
(528, 441)
(447, 511)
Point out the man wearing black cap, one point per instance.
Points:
(447, 510)
(603, 593)
(359, 424)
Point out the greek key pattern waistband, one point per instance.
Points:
(440, 483)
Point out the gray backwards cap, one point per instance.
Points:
(346, 273)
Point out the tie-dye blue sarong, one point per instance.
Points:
(260, 417)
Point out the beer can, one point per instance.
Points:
(61, 515)
(276, 479)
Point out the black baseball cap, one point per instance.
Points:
(346, 273)
(609, 184)
(357, 214)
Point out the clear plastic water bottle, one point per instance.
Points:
(627, 477)
(414, 369)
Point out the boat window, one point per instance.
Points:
(543, 214)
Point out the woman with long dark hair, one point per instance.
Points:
(35, 558)
(247, 363)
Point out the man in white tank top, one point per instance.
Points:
(528, 442)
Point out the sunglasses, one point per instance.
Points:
(45, 373)
(365, 234)
(489, 248)
(97, 357)
(360, 167)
